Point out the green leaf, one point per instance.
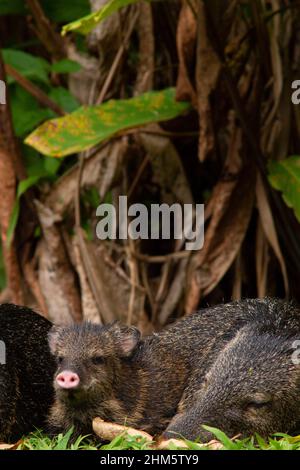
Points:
(22, 188)
(87, 23)
(65, 66)
(26, 111)
(285, 177)
(24, 185)
(261, 442)
(67, 10)
(12, 7)
(43, 167)
(51, 166)
(57, 11)
(221, 436)
(63, 440)
(39, 165)
(38, 173)
(32, 67)
(88, 126)
(64, 98)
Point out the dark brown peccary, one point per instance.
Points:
(253, 385)
(159, 382)
(26, 371)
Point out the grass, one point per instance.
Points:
(39, 441)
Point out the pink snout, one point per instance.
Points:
(67, 379)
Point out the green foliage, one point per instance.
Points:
(278, 442)
(22, 188)
(284, 176)
(221, 436)
(12, 7)
(39, 441)
(88, 126)
(67, 10)
(87, 23)
(55, 10)
(38, 167)
(32, 67)
(26, 112)
(126, 442)
(65, 66)
(63, 97)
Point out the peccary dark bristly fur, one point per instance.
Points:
(109, 372)
(26, 371)
(253, 385)
(228, 366)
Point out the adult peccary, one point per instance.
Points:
(228, 366)
(26, 371)
(253, 385)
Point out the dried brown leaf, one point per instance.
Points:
(89, 307)
(186, 45)
(55, 267)
(108, 277)
(269, 229)
(208, 69)
(33, 282)
(175, 291)
(57, 304)
(237, 283)
(108, 431)
(4, 446)
(166, 443)
(144, 80)
(262, 261)
(213, 445)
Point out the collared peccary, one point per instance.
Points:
(228, 366)
(253, 384)
(26, 371)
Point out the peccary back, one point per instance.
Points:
(26, 371)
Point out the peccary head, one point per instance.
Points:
(253, 387)
(90, 359)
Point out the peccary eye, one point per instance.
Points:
(259, 401)
(97, 360)
(257, 406)
(60, 359)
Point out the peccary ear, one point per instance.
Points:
(127, 338)
(53, 336)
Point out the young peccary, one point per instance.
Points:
(228, 366)
(26, 371)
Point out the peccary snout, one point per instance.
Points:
(68, 379)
